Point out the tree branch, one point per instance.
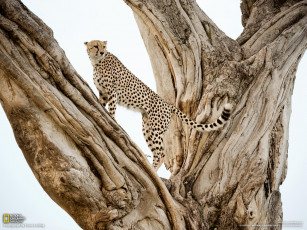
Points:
(283, 23)
(48, 98)
(256, 73)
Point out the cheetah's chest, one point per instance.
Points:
(102, 82)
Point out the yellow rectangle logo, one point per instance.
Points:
(6, 218)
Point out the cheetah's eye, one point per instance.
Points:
(96, 46)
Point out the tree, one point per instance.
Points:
(91, 168)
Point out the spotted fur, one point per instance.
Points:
(117, 85)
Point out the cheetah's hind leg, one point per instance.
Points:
(158, 152)
(154, 140)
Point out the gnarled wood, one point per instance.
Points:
(80, 156)
(229, 172)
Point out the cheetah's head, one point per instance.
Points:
(96, 50)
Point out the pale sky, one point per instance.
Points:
(75, 22)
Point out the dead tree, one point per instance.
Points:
(227, 179)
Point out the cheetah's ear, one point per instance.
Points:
(85, 43)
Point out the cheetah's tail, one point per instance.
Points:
(205, 127)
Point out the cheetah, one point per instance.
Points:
(117, 85)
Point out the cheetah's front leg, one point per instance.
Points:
(103, 99)
(112, 104)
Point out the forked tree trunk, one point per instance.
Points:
(227, 179)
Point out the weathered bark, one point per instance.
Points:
(80, 156)
(91, 168)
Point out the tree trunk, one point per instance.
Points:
(227, 179)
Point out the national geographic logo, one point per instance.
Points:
(14, 220)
